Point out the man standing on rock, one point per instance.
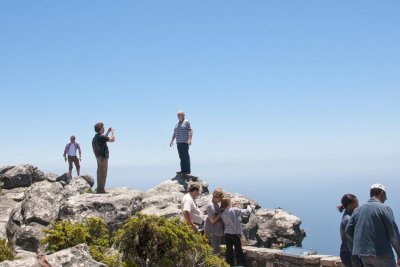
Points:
(183, 133)
(100, 149)
(71, 149)
(191, 213)
(374, 232)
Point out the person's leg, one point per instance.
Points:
(185, 158)
(215, 242)
(77, 165)
(181, 157)
(229, 250)
(70, 165)
(345, 256)
(105, 172)
(241, 260)
(101, 174)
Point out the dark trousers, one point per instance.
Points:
(183, 151)
(233, 241)
(345, 256)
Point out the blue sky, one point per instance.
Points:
(278, 92)
(259, 80)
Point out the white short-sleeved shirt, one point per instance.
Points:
(189, 205)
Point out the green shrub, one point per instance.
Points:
(93, 232)
(105, 255)
(6, 251)
(148, 240)
(65, 234)
(1, 188)
(98, 232)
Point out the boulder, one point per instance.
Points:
(273, 228)
(27, 262)
(27, 237)
(76, 256)
(165, 199)
(114, 207)
(64, 179)
(89, 179)
(42, 203)
(39, 207)
(76, 186)
(8, 201)
(71, 257)
(51, 177)
(20, 176)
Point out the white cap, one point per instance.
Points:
(380, 186)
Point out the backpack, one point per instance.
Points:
(98, 150)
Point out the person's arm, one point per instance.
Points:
(188, 220)
(215, 219)
(80, 152)
(65, 152)
(392, 230)
(211, 215)
(343, 225)
(246, 212)
(112, 138)
(172, 139)
(190, 136)
(349, 231)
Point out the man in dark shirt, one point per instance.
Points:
(101, 152)
(373, 231)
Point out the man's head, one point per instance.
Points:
(99, 128)
(194, 190)
(72, 139)
(218, 195)
(378, 191)
(181, 115)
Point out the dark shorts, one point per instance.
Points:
(75, 160)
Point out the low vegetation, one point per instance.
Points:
(6, 251)
(144, 241)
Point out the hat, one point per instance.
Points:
(379, 186)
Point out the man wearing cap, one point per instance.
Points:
(70, 150)
(373, 231)
(183, 133)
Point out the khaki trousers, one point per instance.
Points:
(102, 167)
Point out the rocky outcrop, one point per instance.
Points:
(273, 228)
(114, 207)
(26, 211)
(76, 256)
(20, 176)
(8, 201)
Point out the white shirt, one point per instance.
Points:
(190, 206)
(72, 150)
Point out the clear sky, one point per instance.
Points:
(272, 88)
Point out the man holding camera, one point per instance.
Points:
(100, 149)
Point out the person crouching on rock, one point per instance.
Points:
(349, 204)
(214, 227)
(100, 149)
(70, 150)
(231, 216)
(191, 213)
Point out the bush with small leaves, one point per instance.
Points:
(64, 234)
(106, 255)
(93, 232)
(148, 240)
(6, 251)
